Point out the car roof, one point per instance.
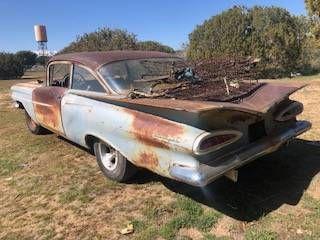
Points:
(93, 60)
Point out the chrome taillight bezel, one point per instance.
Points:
(206, 135)
(295, 107)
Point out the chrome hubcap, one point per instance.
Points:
(109, 157)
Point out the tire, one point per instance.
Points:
(33, 126)
(112, 163)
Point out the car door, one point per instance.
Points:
(79, 109)
(47, 99)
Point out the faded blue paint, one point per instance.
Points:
(112, 124)
(23, 94)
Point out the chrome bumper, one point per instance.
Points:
(205, 174)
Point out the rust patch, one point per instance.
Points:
(176, 104)
(198, 107)
(153, 130)
(47, 106)
(147, 160)
(268, 95)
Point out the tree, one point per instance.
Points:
(268, 33)
(10, 66)
(106, 39)
(223, 34)
(154, 46)
(42, 60)
(103, 39)
(27, 58)
(313, 7)
(309, 61)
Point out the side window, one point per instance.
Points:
(84, 80)
(59, 75)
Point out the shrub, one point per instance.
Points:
(106, 39)
(10, 66)
(27, 58)
(268, 33)
(42, 60)
(154, 46)
(103, 39)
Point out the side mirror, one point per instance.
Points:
(40, 81)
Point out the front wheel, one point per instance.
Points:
(112, 163)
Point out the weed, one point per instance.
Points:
(189, 214)
(207, 220)
(148, 233)
(81, 193)
(254, 234)
(7, 166)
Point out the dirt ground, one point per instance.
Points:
(52, 189)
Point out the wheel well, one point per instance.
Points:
(90, 140)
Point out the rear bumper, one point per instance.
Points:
(204, 173)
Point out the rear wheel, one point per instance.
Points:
(112, 163)
(33, 126)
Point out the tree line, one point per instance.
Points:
(283, 42)
(13, 65)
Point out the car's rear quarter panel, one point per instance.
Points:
(22, 93)
(146, 140)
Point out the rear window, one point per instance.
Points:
(84, 80)
(123, 76)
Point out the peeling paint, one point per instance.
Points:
(153, 130)
(147, 159)
(47, 107)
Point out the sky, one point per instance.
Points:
(166, 21)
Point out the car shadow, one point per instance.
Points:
(89, 151)
(263, 185)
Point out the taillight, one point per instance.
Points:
(209, 142)
(289, 112)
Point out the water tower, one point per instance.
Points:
(40, 33)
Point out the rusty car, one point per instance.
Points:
(101, 101)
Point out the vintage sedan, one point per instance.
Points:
(88, 98)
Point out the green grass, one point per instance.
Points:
(76, 193)
(254, 234)
(313, 205)
(149, 232)
(8, 166)
(208, 236)
(184, 213)
(310, 222)
(190, 214)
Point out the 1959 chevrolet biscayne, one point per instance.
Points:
(85, 99)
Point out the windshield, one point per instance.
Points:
(140, 74)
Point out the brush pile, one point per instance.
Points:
(219, 79)
(230, 68)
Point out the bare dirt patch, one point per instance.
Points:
(228, 227)
(191, 233)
